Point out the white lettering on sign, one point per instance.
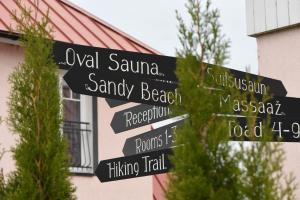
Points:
(294, 129)
(238, 131)
(74, 58)
(290, 130)
(124, 89)
(160, 96)
(145, 116)
(227, 80)
(155, 164)
(88, 60)
(148, 144)
(109, 87)
(162, 140)
(239, 105)
(128, 168)
(137, 67)
(117, 169)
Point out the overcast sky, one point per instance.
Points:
(154, 23)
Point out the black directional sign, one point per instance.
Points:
(146, 164)
(138, 116)
(157, 139)
(123, 63)
(286, 129)
(276, 106)
(282, 129)
(123, 76)
(283, 113)
(114, 103)
(246, 82)
(142, 78)
(111, 85)
(285, 106)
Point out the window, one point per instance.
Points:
(78, 129)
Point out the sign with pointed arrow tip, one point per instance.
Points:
(246, 82)
(111, 85)
(138, 116)
(142, 78)
(145, 164)
(123, 63)
(276, 106)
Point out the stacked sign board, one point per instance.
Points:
(121, 77)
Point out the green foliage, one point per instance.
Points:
(35, 116)
(3, 185)
(262, 175)
(205, 167)
(202, 38)
(262, 162)
(206, 164)
(8, 187)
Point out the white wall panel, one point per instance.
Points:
(250, 17)
(294, 11)
(259, 16)
(283, 13)
(266, 15)
(271, 14)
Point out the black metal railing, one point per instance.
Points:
(79, 138)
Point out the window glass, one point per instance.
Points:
(71, 110)
(75, 95)
(77, 123)
(66, 91)
(72, 129)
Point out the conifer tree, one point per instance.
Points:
(262, 174)
(206, 164)
(35, 116)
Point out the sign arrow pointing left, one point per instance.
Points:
(146, 164)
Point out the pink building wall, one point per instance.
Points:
(279, 58)
(10, 56)
(109, 144)
(74, 25)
